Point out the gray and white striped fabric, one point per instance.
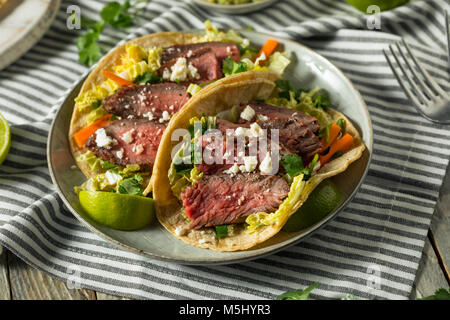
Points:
(371, 250)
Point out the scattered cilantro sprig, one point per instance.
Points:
(440, 294)
(230, 67)
(113, 14)
(293, 164)
(132, 185)
(298, 294)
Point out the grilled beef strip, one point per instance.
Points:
(222, 199)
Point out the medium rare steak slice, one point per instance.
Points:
(297, 131)
(220, 49)
(222, 199)
(146, 101)
(204, 62)
(128, 141)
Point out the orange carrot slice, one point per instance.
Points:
(268, 48)
(343, 144)
(119, 80)
(334, 132)
(82, 136)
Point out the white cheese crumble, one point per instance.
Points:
(181, 71)
(165, 116)
(103, 140)
(180, 231)
(256, 130)
(266, 165)
(112, 177)
(233, 170)
(262, 117)
(148, 115)
(250, 163)
(138, 149)
(248, 113)
(127, 137)
(119, 154)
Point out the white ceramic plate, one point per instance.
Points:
(308, 70)
(22, 24)
(236, 8)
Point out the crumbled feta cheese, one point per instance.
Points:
(181, 71)
(262, 117)
(241, 131)
(256, 130)
(103, 140)
(148, 115)
(138, 149)
(119, 154)
(112, 177)
(127, 137)
(248, 113)
(165, 117)
(266, 165)
(250, 163)
(245, 43)
(189, 54)
(233, 170)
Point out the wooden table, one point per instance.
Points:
(20, 281)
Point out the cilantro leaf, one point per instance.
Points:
(298, 294)
(440, 294)
(293, 164)
(221, 231)
(321, 101)
(132, 185)
(108, 165)
(148, 78)
(114, 14)
(230, 67)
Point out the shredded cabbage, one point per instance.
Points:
(278, 62)
(259, 219)
(95, 115)
(93, 162)
(193, 88)
(154, 59)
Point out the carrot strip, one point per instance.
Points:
(334, 132)
(119, 80)
(344, 144)
(82, 136)
(268, 48)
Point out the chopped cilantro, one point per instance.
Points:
(293, 165)
(108, 165)
(221, 231)
(132, 185)
(230, 67)
(148, 78)
(321, 101)
(298, 294)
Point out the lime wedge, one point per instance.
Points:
(384, 5)
(323, 200)
(5, 138)
(116, 210)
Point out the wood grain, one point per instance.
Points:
(430, 276)
(440, 226)
(5, 293)
(28, 283)
(105, 296)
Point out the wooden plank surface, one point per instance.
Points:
(430, 276)
(5, 293)
(440, 226)
(28, 283)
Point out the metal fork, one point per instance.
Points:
(427, 96)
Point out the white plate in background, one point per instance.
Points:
(22, 24)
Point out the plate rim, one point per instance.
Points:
(236, 8)
(279, 246)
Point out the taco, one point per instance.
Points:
(127, 101)
(244, 200)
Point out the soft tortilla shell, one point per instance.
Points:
(217, 99)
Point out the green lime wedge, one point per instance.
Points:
(118, 211)
(5, 138)
(382, 4)
(323, 200)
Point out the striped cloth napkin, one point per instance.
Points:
(372, 249)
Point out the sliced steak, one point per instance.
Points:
(146, 101)
(221, 199)
(204, 60)
(297, 131)
(133, 142)
(220, 49)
